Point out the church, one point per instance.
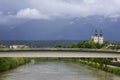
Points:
(98, 38)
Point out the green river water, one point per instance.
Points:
(56, 71)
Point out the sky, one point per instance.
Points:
(47, 9)
(14, 13)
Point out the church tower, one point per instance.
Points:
(101, 39)
(95, 37)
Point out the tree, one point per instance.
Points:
(81, 44)
(73, 45)
(4, 64)
(58, 45)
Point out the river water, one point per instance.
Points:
(56, 71)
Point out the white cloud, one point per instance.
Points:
(114, 16)
(46, 9)
(29, 13)
(77, 8)
(21, 16)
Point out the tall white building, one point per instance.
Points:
(95, 37)
(98, 38)
(101, 38)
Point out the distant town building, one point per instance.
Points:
(2, 46)
(98, 38)
(116, 60)
(101, 39)
(18, 46)
(95, 37)
(111, 45)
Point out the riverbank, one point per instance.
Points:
(10, 63)
(108, 68)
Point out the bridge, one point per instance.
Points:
(59, 52)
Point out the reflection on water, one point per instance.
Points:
(56, 71)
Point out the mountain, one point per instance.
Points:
(64, 29)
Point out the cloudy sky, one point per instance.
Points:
(48, 9)
(17, 12)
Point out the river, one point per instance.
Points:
(56, 71)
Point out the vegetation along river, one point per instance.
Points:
(56, 71)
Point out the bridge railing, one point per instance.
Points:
(58, 49)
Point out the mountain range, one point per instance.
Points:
(62, 29)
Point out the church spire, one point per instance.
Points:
(101, 38)
(96, 33)
(101, 33)
(98, 38)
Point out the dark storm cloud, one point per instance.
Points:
(48, 9)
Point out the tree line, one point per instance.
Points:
(91, 45)
(9, 63)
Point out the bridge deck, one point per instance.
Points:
(59, 52)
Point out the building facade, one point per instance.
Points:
(98, 38)
(95, 37)
(101, 39)
(18, 46)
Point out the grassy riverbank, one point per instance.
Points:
(107, 68)
(10, 63)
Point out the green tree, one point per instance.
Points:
(4, 64)
(73, 45)
(9, 63)
(81, 44)
(58, 45)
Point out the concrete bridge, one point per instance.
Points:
(59, 52)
